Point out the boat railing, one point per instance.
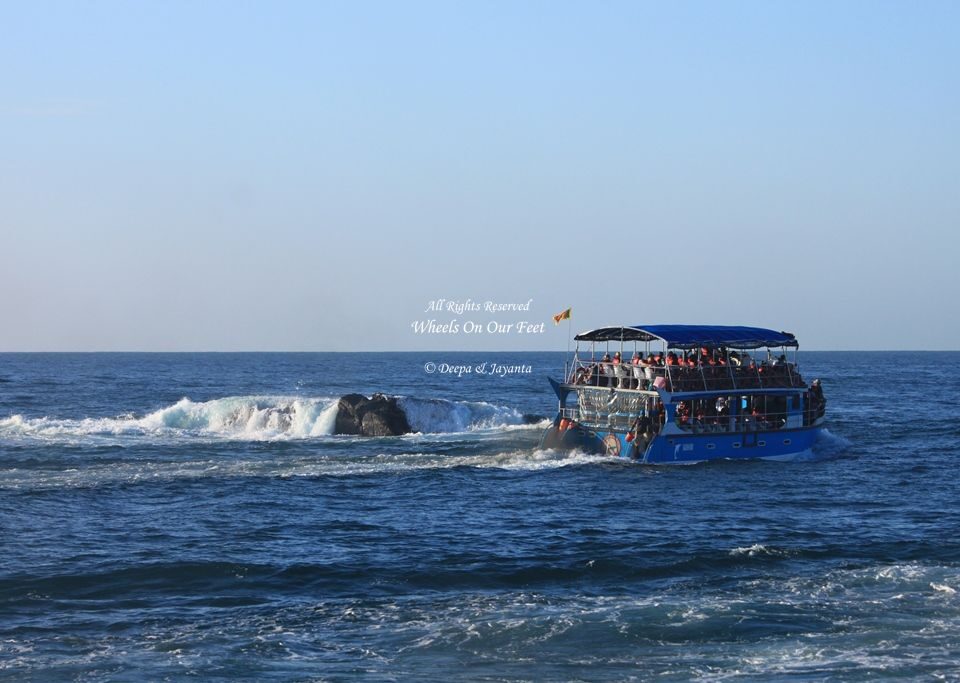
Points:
(704, 424)
(702, 377)
(618, 418)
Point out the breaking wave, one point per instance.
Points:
(258, 418)
(440, 415)
(252, 417)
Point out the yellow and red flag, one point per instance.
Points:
(562, 316)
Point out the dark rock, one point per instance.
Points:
(379, 415)
(347, 420)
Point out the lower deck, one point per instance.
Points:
(683, 428)
(690, 448)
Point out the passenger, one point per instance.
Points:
(648, 372)
(818, 398)
(700, 417)
(683, 414)
(614, 379)
(672, 359)
(636, 372)
(722, 406)
(606, 371)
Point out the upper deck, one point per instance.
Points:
(770, 373)
(690, 358)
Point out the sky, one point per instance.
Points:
(310, 176)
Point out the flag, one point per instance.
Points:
(562, 316)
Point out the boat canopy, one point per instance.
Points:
(692, 336)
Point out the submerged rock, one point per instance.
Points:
(379, 415)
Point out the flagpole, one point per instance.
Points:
(556, 321)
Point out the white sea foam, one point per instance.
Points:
(440, 415)
(755, 550)
(286, 467)
(260, 418)
(236, 417)
(829, 444)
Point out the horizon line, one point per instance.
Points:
(249, 351)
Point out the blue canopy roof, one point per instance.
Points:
(693, 336)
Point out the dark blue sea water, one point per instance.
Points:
(189, 515)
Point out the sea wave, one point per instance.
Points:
(286, 466)
(433, 415)
(830, 445)
(776, 628)
(758, 550)
(256, 418)
(238, 417)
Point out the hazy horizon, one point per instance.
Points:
(444, 351)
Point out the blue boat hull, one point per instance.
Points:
(687, 449)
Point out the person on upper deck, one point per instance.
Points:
(584, 375)
(648, 367)
(606, 371)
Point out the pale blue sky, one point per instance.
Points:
(308, 175)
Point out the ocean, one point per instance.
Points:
(175, 516)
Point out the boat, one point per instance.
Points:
(688, 394)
